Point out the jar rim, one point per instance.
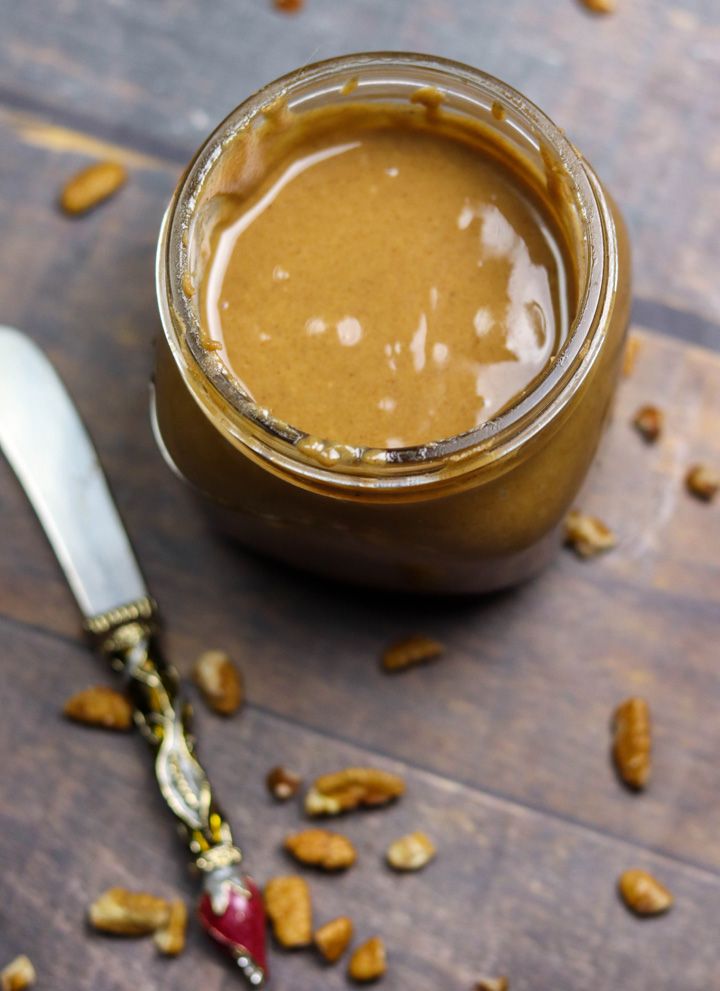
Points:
(331, 466)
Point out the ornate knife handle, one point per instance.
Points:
(231, 907)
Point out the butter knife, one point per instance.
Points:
(45, 442)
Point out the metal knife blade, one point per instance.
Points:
(47, 445)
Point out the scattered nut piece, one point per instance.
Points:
(648, 421)
(170, 938)
(219, 681)
(91, 186)
(349, 789)
(587, 535)
(282, 784)
(632, 349)
(492, 984)
(409, 652)
(100, 706)
(334, 937)
(632, 742)
(322, 848)
(369, 961)
(288, 905)
(18, 975)
(411, 852)
(289, 6)
(601, 6)
(128, 913)
(643, 894)
(703, 482)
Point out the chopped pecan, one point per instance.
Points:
(349, 789)
(411, 852)
(170, 938)
(282, 784)
(128, 913)
(703, 482)
(643, 894)
(410, 651)
(219, 681)
(369, 961)
(18, 975)
(288, 905)
(492, 984)
(322, 848)
(91, 186)
(100, 706)
(587, 535)
(648, 421)
(632, 742)
(334, 937)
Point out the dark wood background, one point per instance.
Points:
(504, 743)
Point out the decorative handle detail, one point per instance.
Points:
(231, 908)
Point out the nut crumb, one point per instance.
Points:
(369, 961)
(170, 938)
(333, 938)
(492, 984)
(411, 852)
(289, 6)
(632, 742)
(322, 848)
(91, 186)
(352, 788)
(282, 784)
(128, 913)
(632, 349)
(100, 706)
(18, 975)
(410, 651)
(703, 482)
(600, 6)
(219, 681)
(648, 421)
(289, 908)
(643, 894)
(587, 535)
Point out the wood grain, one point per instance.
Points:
(512, 890)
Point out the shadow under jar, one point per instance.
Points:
(472, 512)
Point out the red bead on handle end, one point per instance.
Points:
(232, 912)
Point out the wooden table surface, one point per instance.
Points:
(504, 743)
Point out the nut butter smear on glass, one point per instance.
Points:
(388, 283)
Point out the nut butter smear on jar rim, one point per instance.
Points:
(386, 283)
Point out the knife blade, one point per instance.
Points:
(48, 447)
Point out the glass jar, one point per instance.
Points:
(473, 513)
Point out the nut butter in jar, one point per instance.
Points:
(394, 298)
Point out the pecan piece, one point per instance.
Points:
(282, 784)
(91, 186)
(587, 535)
(703, 482)
(349, 789)
(643, 894)
(492, 984)
(288, 905)
(100, 706)
(648, 421)
(632, 742)
(170, 938)
(410, 651)
(411, 852)
(18, 975)
(219, 681)
(128, 913)
(322, 848)
(368, 961)
(334, 937)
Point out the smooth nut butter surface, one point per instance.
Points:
(385, 281)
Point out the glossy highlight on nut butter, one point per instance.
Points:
(406, 274)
